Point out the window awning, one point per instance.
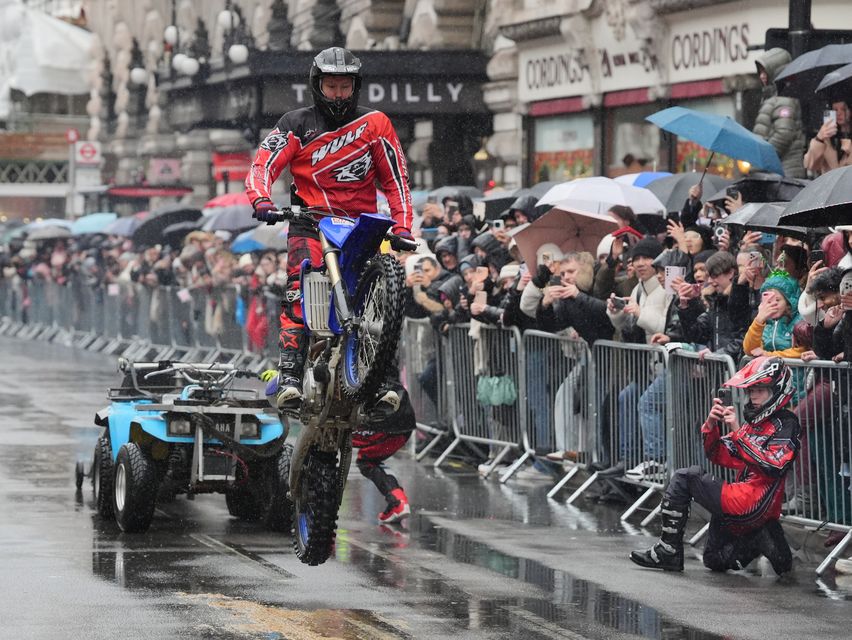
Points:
(40, 54)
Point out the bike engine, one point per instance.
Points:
(312, 391)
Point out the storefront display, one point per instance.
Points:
(563, 148)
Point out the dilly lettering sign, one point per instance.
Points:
(426, 96)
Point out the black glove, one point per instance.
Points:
(263, 209)
(541, 277)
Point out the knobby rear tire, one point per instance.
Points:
(135, 486)
(315, 508)
(379, 298)
(102, 473)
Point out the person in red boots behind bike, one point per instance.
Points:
(336, 152)
(744, 522)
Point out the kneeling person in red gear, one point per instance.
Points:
(745, 513)
(378, 442)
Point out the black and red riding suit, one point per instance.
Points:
(335, 167)
(761, 454)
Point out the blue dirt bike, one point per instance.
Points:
(352, 308)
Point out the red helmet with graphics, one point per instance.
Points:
(335, 61)
(771, 373)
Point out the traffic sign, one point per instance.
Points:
(86, 152)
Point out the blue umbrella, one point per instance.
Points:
(643, 178)
(92, 223)
(719, 134)
(122, 227)
(260, 238)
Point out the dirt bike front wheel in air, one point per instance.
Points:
(315, 506)
(378, 304)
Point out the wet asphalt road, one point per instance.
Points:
(478, 560)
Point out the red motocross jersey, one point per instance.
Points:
(336, 169)
(762, 454)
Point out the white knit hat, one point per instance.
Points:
(605, 245)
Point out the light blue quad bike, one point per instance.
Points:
(183, 428)
(352, 308)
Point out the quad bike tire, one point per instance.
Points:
(102, 476)
(135, 488)
(245, 501)
(379, 299)
(315, 508)
(279, 509)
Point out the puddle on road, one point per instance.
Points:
(576, 605)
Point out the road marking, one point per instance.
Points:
(246, 557)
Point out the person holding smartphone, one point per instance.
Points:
(779, 120)
(744, 513)
(831, 147)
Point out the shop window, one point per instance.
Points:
(634, 142)
(563, 148)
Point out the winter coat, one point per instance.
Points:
(779, 120)
(584, 313)
(714, 326)
(653, 312)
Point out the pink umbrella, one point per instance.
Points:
(569, 230)
(228, 200)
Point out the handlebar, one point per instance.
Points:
(306, 214)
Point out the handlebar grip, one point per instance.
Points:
(398, 243)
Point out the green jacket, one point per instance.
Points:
(780, 119)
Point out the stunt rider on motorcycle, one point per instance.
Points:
(336, 152)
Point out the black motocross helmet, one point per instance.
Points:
(336, 61)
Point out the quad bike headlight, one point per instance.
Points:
(250, 430)
(179, 427)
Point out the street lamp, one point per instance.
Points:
(138, 74)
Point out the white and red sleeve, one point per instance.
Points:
(392, 171)
(275, 152)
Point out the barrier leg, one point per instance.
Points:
(425, 450)
(514, 468)
(588, 483)
(563, 482)
(654, 513)
(840, 548)
(447, 452)
(648, 493)
(701, 533)
(497, 461)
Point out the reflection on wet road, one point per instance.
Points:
(477, 560)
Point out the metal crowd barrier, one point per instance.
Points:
(482, 376)
(422, 372)
(536, 393)
(818, 488)
(693, 383)
(558, 409)
(632, 416)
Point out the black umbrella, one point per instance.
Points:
(763, 187)
(674, 190)
(538, 190)
(496, 203)
(150, 232)
(234, 218)
(837, 85)
(453, 191)
(764, 216)
(123, 226)
(825, 202)
(801, 77)
(174, 234)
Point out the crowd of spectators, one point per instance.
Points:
(740, 294)
(202, 268)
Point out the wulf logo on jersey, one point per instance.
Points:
(356, 170)
(337, 144)
(274, 142)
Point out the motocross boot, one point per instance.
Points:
(769, 541)
(291, 364)
(667, 553)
